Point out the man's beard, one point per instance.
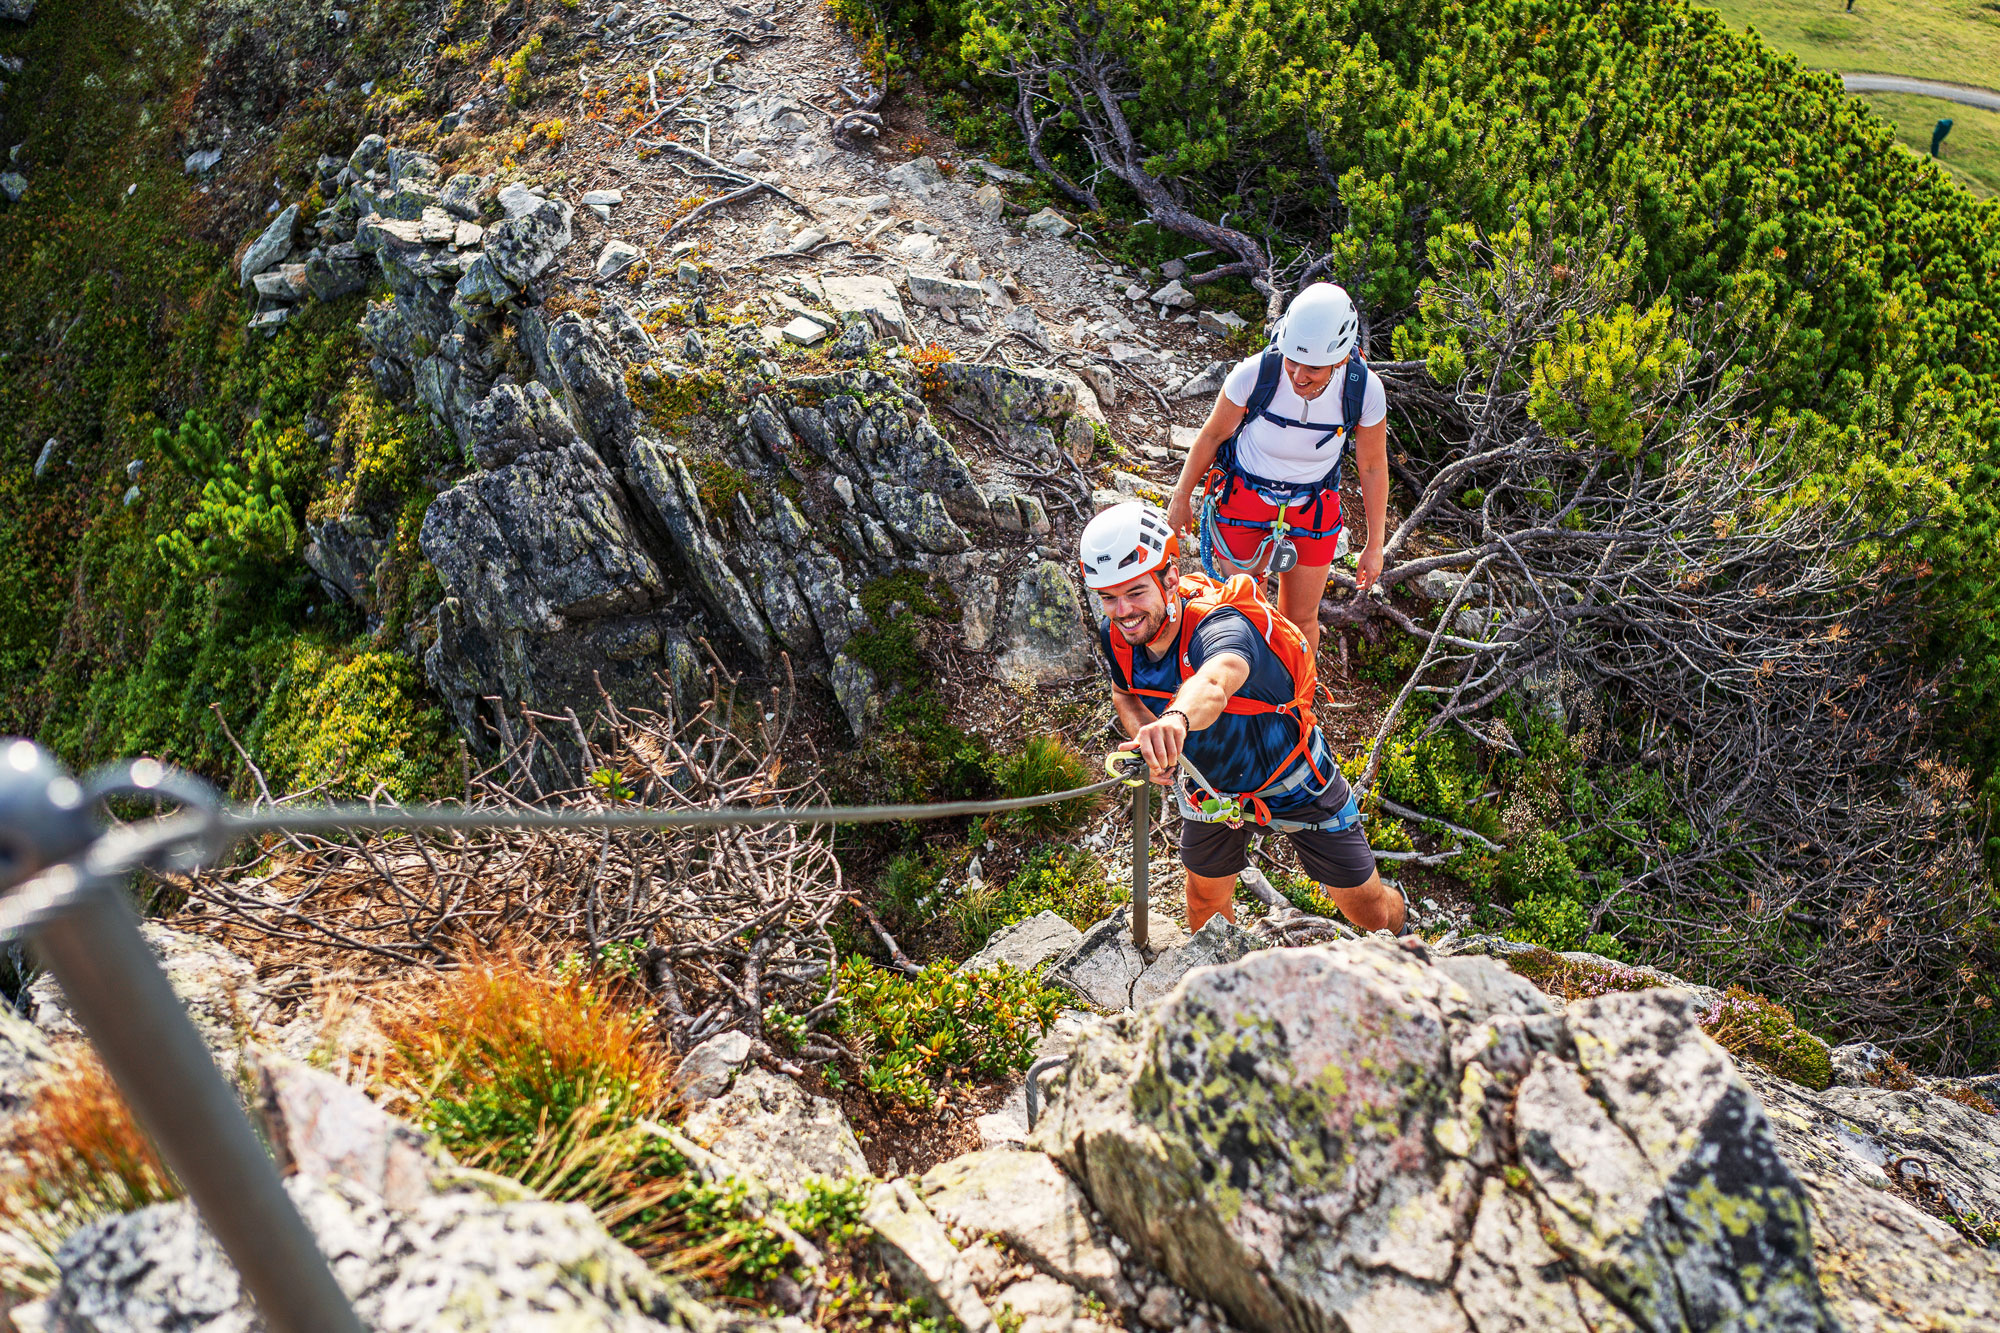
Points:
(1149, 630)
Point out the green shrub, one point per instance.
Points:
(353, 723)
(241, 525)
(916, 1034)
(1052, 879)
(1045, 764)
(1552, 921)
(1764, 1031)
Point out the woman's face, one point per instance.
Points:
(1311, 381)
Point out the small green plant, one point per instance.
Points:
(612, 783)
(1045, 764)
(242, 524)
(624, 959)
(1552, 921)
(352, 723)
(1764, 1031)
(1053, 879)
(915, 1034)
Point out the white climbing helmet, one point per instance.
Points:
(1124, 542)
(1321, 327)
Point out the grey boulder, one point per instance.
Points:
(1043, 638)
(539, 541)
(1025, 944)
(1348, 1136)
(271, 247)
(522, 247)
(767, 1127)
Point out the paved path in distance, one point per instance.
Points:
(1896, 83)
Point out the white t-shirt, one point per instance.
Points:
(1286, 453)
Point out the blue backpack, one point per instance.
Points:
(1274, 552)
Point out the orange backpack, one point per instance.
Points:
(1200, 595)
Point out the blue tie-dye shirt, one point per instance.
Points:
(1237, 751)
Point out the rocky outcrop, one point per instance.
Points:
(416, 1243)
(1025, 944)
(1350, 1136)
(1102, 967)
(219, 989)
(615, 561)
(766, 1127)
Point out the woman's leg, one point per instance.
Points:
(1299, 591)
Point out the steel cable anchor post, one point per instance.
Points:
(1122, 765)
(72, 906)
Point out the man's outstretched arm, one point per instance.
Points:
(1200, 699)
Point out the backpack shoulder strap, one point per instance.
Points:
(1269, 368)
(1353, 394)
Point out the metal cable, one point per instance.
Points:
(314, 819)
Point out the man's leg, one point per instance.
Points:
(1212, 855)
(1344, 865)
(1370, 906)
(1207, 895)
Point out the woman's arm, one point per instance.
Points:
(1223, 419)
(1371, 460)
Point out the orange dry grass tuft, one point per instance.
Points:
(74, 1157)
(509, 1050)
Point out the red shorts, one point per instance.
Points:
(1314, 528)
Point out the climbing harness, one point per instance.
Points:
(1275, 553)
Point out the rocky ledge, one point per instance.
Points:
(1359, 1134)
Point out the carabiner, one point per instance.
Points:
(1122, 764)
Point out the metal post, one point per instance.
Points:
(115, 987)
(1142, 838)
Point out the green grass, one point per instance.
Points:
(1972, 152)
(1957, 41)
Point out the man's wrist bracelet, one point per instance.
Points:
(1175, 712)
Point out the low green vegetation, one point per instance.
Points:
(1052, 879)
(1954, 41)
(1045, 764)
(1970, 153)
(152, 595)
(554, 1080)
(1763, 1030)
(916, 1036)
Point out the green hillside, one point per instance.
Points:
(1954, 41)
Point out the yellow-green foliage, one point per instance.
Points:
(671, 399)
(353, 723)
(915, 1034)
(382, 450)
(513, 71)
(1589, 377)
(1763, 1030)
(1053, 879)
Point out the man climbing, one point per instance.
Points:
(1261, 484)
(1214, 686)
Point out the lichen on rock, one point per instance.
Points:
(1312, 1139)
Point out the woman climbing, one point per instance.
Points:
(1265, 470)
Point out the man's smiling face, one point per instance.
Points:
(1136, 609)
